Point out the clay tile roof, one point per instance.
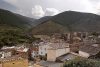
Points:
(7, 50)
(58, 45)
(11, 59)
(92, 50)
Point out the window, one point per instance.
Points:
(41, 48)
(13, 63)
(36, 52)
(17, 53)
(0, 55)
(41, 52)
(45, 49)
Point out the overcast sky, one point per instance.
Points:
(40, 8)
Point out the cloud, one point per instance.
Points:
(11, 1)
(7, 6)
(20, 11)
(51, 12)
(94, 0)
(52, 7)
(37, 11)
(97, 8)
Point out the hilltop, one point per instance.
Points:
(16, 20)
(69, 21)
(14, 28)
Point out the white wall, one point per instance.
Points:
(63, 51)
(43, 50)
(51, 55)
(8, 54)
(84, 54)
(5, 54)
(34, 54)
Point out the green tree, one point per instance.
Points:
(82, 63)
(12, 36)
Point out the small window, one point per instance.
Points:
(45, 49)
(41, 48)
(41, 52)
(36, 52)
(17, 53)
(13, 63)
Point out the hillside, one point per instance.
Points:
(10, 36)
(12, 19)
(72, 21)
(48, 28)
(77, 21)
(41, 20)
(14, 28)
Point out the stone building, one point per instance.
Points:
(34, 52)
(4, 53)
(56, 50)
(16, 61)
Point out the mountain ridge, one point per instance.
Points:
(74, 21)
(13, 19)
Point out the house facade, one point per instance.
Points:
(6, 53)
(34, 52)
(56, 50)
(43, 47)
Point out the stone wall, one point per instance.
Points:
(84, 54)
(16, 63)
(52, 54)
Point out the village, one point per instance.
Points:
(51, 50)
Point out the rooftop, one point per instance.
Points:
(58, 45)
(17, 57)
(50, 64)
(65, 57)
(92, 49)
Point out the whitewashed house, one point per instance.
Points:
(43, 47)
(34, 52)
(5, 53)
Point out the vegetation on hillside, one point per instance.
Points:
(12, 19)
(69, 21)
(78, 21)
(49, 28)
(11, 36)
(13, 28)
(82, 63)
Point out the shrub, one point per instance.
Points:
(82, 63)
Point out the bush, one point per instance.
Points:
(82, 63)
(12, 36)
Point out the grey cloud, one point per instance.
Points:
(38, 11)
(7, 6)
(25, 6)
(51, 12)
